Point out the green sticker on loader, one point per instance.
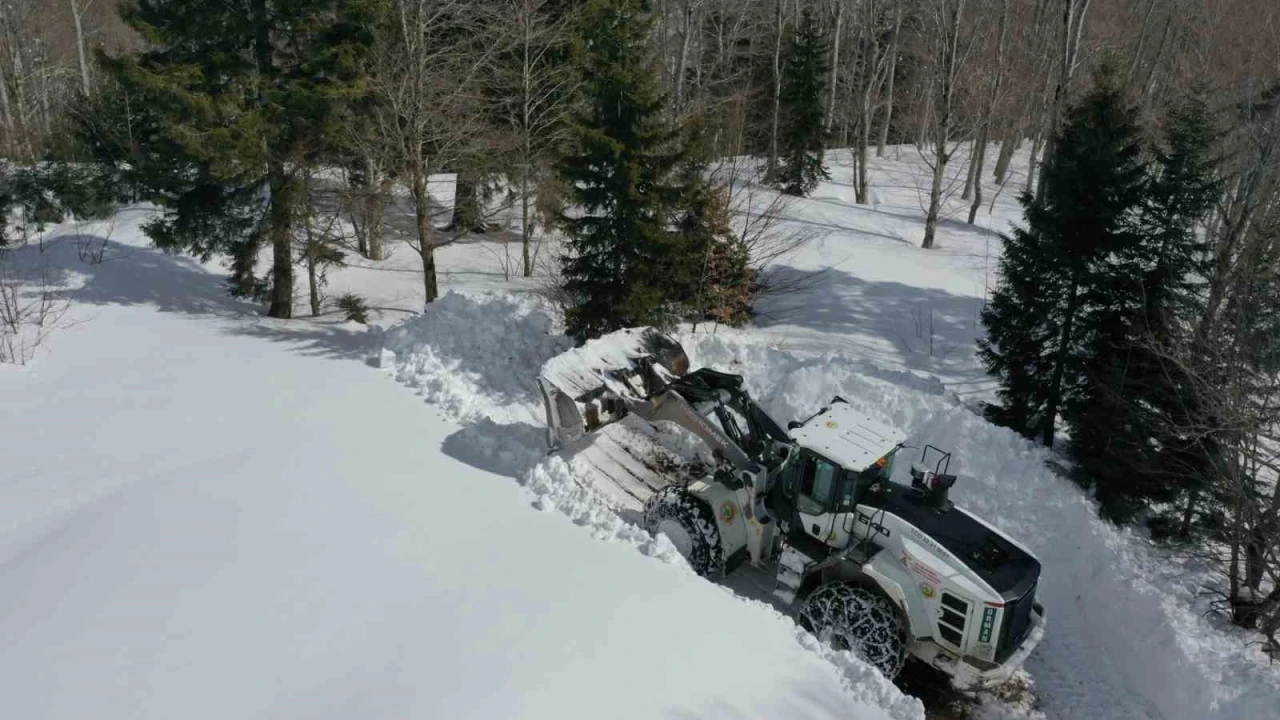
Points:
(988, 624)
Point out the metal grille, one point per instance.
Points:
(1017, 622)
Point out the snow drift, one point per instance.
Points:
(223, 517)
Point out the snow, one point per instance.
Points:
(209, 514)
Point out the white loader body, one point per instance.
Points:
(814, 506)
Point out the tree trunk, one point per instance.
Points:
(1060, 365)
(1031, 163)
(980, 146)
(358, 188)
(84, 63)
(1188, 514)
(1073, 15)
(280, 214)
(863, 190)
(1008, 146)
(935, 198)
(313, 285)
(426, 246)
(280, 230)
(375, 208)
(526, 223)
(967, 192)
(979, 158)
(1142, 39)
(888, 90)
(6, 111)
(683, 63)
(466, 204)
(777, 93)
(835, 69)
(1149, 86)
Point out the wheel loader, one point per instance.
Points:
(883, 569)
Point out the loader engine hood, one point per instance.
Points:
(1001, 563)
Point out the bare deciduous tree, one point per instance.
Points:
(428, 111)
(948, 44)
(544, 93)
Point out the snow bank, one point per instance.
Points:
(476, 356)
(199, 523)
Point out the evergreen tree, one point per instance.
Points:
(710, 273)
(802, 137)
(241, 91)
(1130, 421)
(621, 181)
(1085, 213)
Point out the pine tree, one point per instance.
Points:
(709, 270)
(1084, 213)
(240, 92)
(620, 182)
(1130, 421)
(802, 136)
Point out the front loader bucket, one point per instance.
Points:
(589, 387)
(564, 421)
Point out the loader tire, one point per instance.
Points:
(690, 525)
(862, 621)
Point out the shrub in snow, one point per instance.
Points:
(353, 308)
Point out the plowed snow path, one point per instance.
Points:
(196, 522)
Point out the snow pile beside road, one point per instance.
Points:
(476, 356)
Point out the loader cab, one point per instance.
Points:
(815, 494)
(841, 456)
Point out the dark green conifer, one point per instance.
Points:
(802, 137)
(242, 94)
(621, 190)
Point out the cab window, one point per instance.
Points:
(856, 484)
(817, 485)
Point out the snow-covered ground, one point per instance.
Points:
(204, 513)
(208, 515)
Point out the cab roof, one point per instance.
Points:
(848, 437)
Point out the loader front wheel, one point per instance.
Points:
(862, 621)
(689, 524)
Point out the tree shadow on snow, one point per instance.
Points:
(128, 275)
(921, 328)
(506, 449)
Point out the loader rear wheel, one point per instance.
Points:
(862, 621)
(689, 524)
